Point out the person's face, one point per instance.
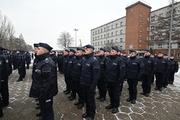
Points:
(66, 53)
(101, 52)
(172, 57)
(79, 53)
(165, 56)
(152, 56)
(107, 53)
(113, 52)
(41, 51)
(160, 55)
(147, 53)
(71, 53)
(35, 49)
(124, 54)
(88, 50)
(133, 54)
(18, 52)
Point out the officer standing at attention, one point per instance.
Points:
(69, 71)
(161, 71)
(134, 72)
(174, 66)
(60, 62)
(89, 78)
(149, 68)
(44, 84)
(76, 73)
(65, 63)
(101, 82)
(114, 76)
(166, 78)
(20, 64)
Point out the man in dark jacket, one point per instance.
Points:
(76, 74)
(101, 82)
(161, 70)
(114, 76)
(174, 66)
(44, 84)
(60, 61)
(90, 75)
(149, 68)
(134, 72)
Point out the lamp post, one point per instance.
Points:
(170, 35)
(75, 37)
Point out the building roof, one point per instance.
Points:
(139, 2)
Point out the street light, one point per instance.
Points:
(75, 36)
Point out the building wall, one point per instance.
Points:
(137, 23)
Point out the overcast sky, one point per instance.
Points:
(44, 20)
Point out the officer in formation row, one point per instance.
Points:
(82, 74)
(10, 60)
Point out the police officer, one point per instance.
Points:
(4, 77)
(115, 73)
(28, 59)
(149, 68)
(53, 56)
(60, 62)
(101, 82)
(44, 84)
(69, 73)
(166, 78)
(161, 71)
(65, 63)
(90, 75)
(20, 64)
(134, 73)
(152, 78)
(174, 66)
(76, 74)
(107, 53)
(1, 73)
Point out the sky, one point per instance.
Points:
(45, 20)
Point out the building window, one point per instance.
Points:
(98, 43)
(170, 45)
(141, 20)
(112, 41)
(95, 38)
(178, 45)
(130, 46)
(116, 40)
(140, 25)
(111, 26)
(152, 37)
(98, 31)
(116, 32)
(139, 45)
(104, 29)
(161, 15)
(104, 35)
(104, 42)
(116, 25)
(121, 24)
(93, 44)
(112, 34)
(140, 30)
(93, 33)
(178, 55)
(121, 40)
(120, 47)
(107, 27)
(140, 40)
(140, 15)
(159, 46)
(152, 18)
(98, 37)
(140, 35)
(152, 27)
(108, 35)
(121, 32)
(101, 30)
(101, 42)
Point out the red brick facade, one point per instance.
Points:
(137, 23)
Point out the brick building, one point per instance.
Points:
(133, 31)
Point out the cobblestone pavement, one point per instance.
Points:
(163, 105)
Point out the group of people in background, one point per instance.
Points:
(83, 71)
(9, 61)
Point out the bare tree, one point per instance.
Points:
(160, 30)
(64, 40)
(7, 38)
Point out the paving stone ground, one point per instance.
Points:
(163, 105)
